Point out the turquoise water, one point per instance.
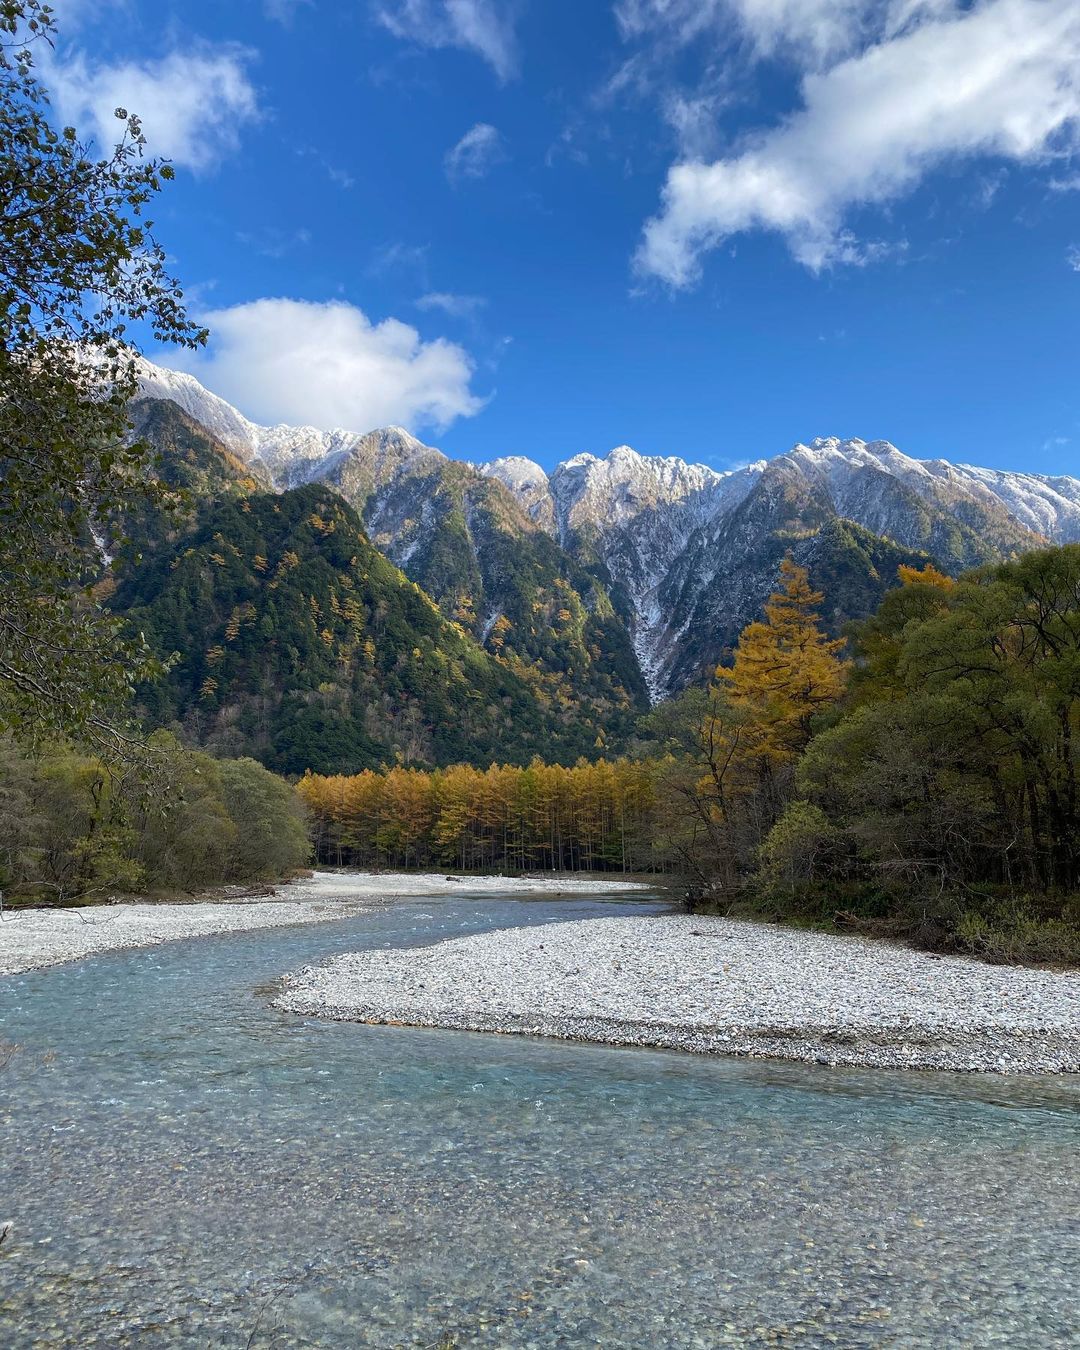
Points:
(186, 1166)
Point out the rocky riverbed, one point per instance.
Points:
(714, 985)
(32, 939)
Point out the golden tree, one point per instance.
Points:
(786, 669)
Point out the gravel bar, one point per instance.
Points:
(714, 985)
(32, 939)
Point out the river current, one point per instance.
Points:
(186, 1166)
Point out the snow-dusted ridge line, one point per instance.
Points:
(674, 537)
(292, 454)
(586, 489)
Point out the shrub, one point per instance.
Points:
(271, 824)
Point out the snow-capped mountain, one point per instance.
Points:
(221, 419)
(293, 455)
(1016, 503)
(693, 548)
(633, 513)
(687, 553)
(529, 484)
(460, 535)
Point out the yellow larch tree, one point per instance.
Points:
(786, 668)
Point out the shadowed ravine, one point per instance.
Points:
(186, 1166)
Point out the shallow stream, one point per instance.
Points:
(186, 1166)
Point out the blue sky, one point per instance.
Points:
(701, 227)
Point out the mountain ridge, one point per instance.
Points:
(657, 539)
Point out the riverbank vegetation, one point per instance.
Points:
(89, 806)
(79, 268)
(923, 787)
(918, 780)
(74, 830)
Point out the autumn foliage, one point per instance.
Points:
(700, 802)
(786, 670)
(731, 748)
(504, 818)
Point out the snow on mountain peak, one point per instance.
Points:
(581, 461)
(671, 533)
(611, 491)
(293, 455)
(529, 484)
(221, 418)
(516, 472)
(402, 436)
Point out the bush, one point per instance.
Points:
(991, 924)
(184, 834)
(1019, 930)
(798, 847)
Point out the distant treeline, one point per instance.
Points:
(592, 817)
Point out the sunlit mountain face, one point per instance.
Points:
(669, 558)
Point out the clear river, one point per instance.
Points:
(186, 1166)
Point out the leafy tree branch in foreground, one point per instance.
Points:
(79, 267)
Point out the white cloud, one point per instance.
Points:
(1073, 257)
(478, 151)
(807, 32)
(486, 27)
(694, 120)
(457, 306)
(327, 365)
(1001, 79)
(192, 104)
(69, 14)
(683, 20)
(811, 28)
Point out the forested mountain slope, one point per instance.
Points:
(193, 465)
(694, 549)
(851, 566)
(459, 534)
(299, 643)
(465, 539)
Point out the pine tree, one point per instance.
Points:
(786, 669)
